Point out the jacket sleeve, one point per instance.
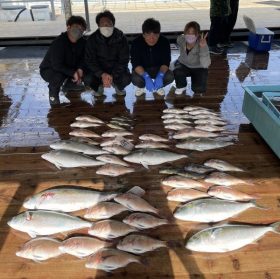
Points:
(91, 58)
(166, 58)
(123, 58)
(204, 57)
(57, 59)
(135, 55)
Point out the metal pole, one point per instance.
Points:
(67, 8)
(87, 14)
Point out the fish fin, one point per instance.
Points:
(259, 206)
(32, 234)
(58, 166)
(276, 227)
(137, 190)
(37, 261)
(145, 165)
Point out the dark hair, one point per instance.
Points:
(194, 25)
(76, 20)
(151, 25)
(107, 14)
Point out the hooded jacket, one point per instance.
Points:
(110, 55)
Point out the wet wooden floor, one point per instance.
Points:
(28, 125)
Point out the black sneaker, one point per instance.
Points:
(216, 50)
(71, 86)
(54, 100)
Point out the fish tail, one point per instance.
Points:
(276, 227)
(259, 206)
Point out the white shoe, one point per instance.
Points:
(161, 92)
(180, 91)
(99, 92)
(139, 91)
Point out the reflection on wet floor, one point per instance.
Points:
(26, 118)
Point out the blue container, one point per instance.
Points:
(261, 40)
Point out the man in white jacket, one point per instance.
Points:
(193, 61)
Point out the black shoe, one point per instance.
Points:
(69, 85)
(54, 100)
(216, 50)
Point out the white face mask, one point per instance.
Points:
(106, 31)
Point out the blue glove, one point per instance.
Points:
(159, 80)
(148, 82)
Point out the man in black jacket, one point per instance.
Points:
(107, 56)
(64, 59)
(150, 58)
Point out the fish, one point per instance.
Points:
(225, 238)
(116, 133)
(148, 157)
(223, 179)
(176, 116)
(203, 111)
(177, 181)
(69, 159)
(112, 141)
(207, 116)
(210, 121)
(67, 198)
(139, 244)
(111, 159)
(114, 170)
(151, 144)
(221, 165)
(182, 172)
(42, 222)
(110, 259)
(89, 118)
(152, 137)
(174, 110)
(176, 121)
(202, 144)
(229, 194)
(109, 229)
(104, 210)
(144, 221)
(135, 203)
(115, 126)
(202, 169)
(77, 147)
(192, 108)
(84, 140)
(210, 128)
(210, 210)
(40, 249)
(84, 124)
(194, 133)
(122, 119)
(120, 123)
(177, 127)
(185, 195)
(116, 149)
(83, 246)
(84, 133)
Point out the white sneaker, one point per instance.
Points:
(99, 92)
(180, 91)
(139, 91)
(161, 92)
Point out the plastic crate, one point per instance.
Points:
(267, 99)
(261, 40)
(261, 116)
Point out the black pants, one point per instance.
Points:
(120, 81)
(217, 33)
(234, 5)
(198, 76)
(55, 80)
(139, 81)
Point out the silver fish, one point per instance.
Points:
(114, 170)
(109, 229)
(193, 133)
(203, 111)
(42, 222)
(77, 147)
(225, 238)
(202, 144)
(144, 221)
(69, 159)
(224, 179)
(115, 126)
(176, 121)
(151, 144)
(110, 259)
(185, 195)
(116, 133)
(84, 124)
(116, 149)
(139, 244)
(67, 198)
(174, 110)
(181, 172)
(111, 159)
(176, 116)
(221, 165)
(153, 157)
(82, 246)
(210, 121)
(211, 210)
(177, 127)
(89, 118)
(40, 249)
(152, 137)
(84, 140)
(177, 181)
(120, 123)
(83, 133)
(192, 108)
(104, 210)
(198, 168)
(210, 128)
(112, 141)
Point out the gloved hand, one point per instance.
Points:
(159, 80)
(148, 82)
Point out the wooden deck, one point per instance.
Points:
(28, 125)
